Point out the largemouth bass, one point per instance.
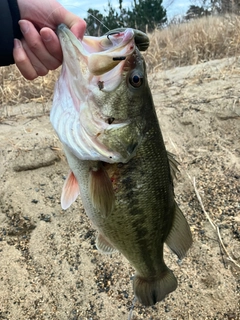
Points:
(104, 115)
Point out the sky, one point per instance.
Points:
(178, 7)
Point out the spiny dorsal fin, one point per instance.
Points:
(179, 239)
(103, 245)
(101, 190)
(70, 191)
(173, 165)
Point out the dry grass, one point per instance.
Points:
(14, 89)
(194, 42)
(178, 45)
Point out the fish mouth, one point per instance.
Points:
(91, 66)
(100, 54)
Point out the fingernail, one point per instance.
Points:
(17, 44)
(24, 26)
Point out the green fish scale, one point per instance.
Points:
(143, 215)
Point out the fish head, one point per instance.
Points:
(99, 97)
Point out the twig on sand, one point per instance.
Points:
(215, 227)
(201, 204)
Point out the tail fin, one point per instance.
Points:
(150, 291)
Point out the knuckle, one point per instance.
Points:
(34, 46)
(54, 66)
(31, 77)
(42, 72)
(40, 69)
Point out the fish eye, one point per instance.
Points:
(136, 80)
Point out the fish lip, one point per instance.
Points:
(108, 51)
(125, 36)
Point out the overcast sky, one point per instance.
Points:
(179, 7)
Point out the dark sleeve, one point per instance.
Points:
(9, 17)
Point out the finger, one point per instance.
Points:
(22, 61)
(76, 24)
(35, 46)
(51, 43)
(39, 67)
(79, 29)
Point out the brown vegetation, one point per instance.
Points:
(14, 89)
(193, 42)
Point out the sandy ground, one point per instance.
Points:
(49, 265)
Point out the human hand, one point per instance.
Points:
(39, 52)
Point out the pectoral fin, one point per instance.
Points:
(101, 191)
(179, 239)
(70, 191)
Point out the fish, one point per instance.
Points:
(104, 115)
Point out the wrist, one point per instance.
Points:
(15, 13)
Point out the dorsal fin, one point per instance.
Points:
(101, 190)
(70, 191)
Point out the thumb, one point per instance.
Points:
(76, 24)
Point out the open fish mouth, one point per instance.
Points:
(92, 66)
(99, 54)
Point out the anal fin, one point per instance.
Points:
(179, 238)
(103, 245)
